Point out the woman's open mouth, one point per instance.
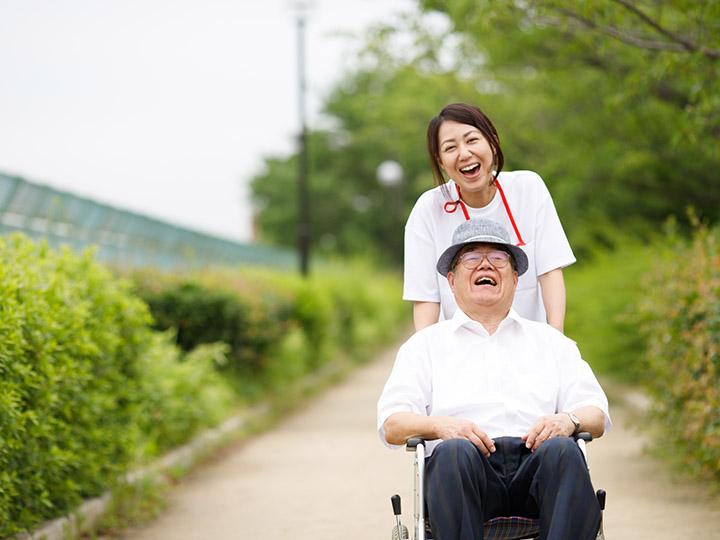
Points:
(471, 170)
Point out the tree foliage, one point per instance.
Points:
(679, 319)
(664, 49)
(615, 104)
(380, 112)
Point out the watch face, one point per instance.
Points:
(575, 420)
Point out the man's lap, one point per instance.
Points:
(508, 476)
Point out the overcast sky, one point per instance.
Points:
(165, 107)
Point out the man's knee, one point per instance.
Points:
(457, 454)
(455, 447)
(562, 452)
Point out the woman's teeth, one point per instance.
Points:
(470, 168)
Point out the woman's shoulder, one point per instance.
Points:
(434, 194)
(430, 199)
(522, 180)
(521, 176)
(548, 336)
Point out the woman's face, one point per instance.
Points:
(466, 156)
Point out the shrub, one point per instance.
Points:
(178, 395)
(603, 290)
(202, 314)
(70, 340)
(86, 388)
(368, 309)
(278, 325)
(680, 320)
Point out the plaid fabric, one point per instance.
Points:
(504, 528)
(511, 528)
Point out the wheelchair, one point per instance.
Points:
(499, 528)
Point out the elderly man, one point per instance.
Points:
(500, 397)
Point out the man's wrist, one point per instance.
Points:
(575, 422)
(434, 425)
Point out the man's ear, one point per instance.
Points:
(451, 280)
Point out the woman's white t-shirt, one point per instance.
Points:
(429, 231)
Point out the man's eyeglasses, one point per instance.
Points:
(472, 259)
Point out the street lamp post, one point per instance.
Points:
(390, 175)
(303, 223)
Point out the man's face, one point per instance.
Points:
(480, 283)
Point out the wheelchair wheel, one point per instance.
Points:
(402, 534)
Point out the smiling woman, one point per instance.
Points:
(466, 160)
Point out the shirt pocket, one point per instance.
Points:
(465, 391)
(540, 388)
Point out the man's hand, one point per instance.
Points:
(553, 425)
(448, 427)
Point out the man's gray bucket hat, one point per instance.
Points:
(484, 231)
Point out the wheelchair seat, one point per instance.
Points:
(504, 528)
(511, 528)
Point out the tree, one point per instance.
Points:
(380, 111)
(623, 135)
(616, 104)
(669, 49)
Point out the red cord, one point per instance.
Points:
(509, 213)
(451, 206)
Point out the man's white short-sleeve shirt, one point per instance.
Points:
(429, 231)
(502, 382)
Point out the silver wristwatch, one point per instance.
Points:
(576, 421)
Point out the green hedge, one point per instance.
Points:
(179, 394)
(86, 388)
(278, 325)
(680, 321)
(68, 348)
(201, 314)
(650, 314)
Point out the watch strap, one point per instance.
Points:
(576, 421)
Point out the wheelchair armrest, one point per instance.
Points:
(411, 444)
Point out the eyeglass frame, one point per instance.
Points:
(471, 248)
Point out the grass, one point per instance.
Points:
(132, 505)
(602, 292)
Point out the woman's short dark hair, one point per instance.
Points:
(464, 114)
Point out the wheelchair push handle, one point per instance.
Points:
(395, 500)
(400, 531)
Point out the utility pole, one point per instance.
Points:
(303, 223)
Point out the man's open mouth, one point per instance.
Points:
(485, 281)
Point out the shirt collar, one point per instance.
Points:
(460, 319)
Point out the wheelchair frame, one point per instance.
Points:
(419, 522)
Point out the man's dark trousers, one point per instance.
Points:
(465, 489)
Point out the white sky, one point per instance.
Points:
(165, 107)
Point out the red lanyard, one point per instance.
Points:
(451, 206)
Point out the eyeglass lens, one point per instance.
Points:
(497, 258)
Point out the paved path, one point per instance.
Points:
(323, 474)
